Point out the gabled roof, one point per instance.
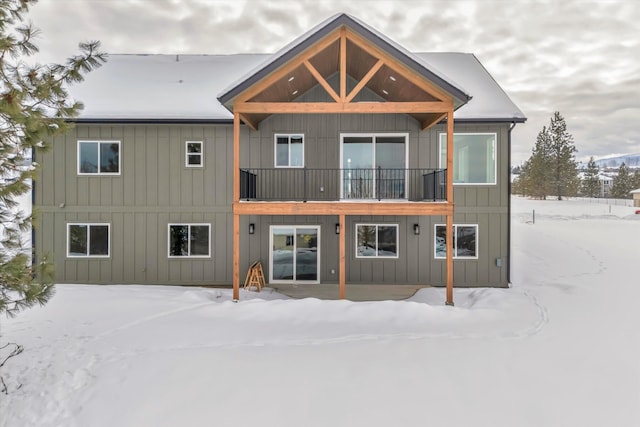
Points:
(183, 88)
(313, 36)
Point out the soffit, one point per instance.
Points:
(388, 71)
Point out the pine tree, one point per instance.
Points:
(622, 184)
(536, 174)
(591, 183)
(563, 163)
(552, 168)
(635, 180)
(34, 107)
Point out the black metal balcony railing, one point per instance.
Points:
(304, 184)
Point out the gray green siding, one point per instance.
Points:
(155, 189)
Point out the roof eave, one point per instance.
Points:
(144, 121)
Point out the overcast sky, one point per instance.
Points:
(581, 58)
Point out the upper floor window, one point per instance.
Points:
(98, 157)
(474, 158)
(189, 240)
(88, 240)
(289, 151)
(465, 241)
(194, 154)
(376, 240)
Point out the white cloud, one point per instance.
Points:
(577, 57)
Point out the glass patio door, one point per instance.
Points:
(294, 254)
(374, 167)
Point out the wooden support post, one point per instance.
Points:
(343, 273)
(343, 64)
(236, 200)
(449, 228)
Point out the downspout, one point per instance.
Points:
(513, 124)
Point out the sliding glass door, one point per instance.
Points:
(374, 166)
(294, 254)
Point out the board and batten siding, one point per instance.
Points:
(483, 205)
(154, 189)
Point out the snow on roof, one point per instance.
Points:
(160, 87)
(185, 87)
(489, 102)
(636, 191)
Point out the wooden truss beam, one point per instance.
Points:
(394, 64)
(288, 68)
(334, 107)
(247, 121)
(356, 90)
(322, 81)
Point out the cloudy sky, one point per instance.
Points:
(579, 57)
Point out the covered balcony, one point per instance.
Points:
(329, 185)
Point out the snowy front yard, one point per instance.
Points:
(560, 348)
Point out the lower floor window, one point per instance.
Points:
(189, 240)
(465, 242)
(88, 240)
(376, 241)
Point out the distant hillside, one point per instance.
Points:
(631, 160)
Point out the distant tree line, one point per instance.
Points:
(553, 171)
(624, 182)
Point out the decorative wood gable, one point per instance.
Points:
(347, 53)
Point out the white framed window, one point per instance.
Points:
(86, 240)
(376, 240)
(189, 240)
(98, 157)
(474, 158)
(465, 241)
(194, 154)
(289, 150)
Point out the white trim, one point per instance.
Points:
(495, 157)
(318, 246)
(455, 241)
(189, 225)
(373, 136)
(376, 256)
(275, 150)
(187, 154)
(89, 225)
(99, 142)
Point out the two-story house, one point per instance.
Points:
(343, 158)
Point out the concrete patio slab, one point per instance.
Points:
(353, 292)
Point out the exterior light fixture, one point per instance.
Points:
(385, 92)
(252, 228)
(416, 229)
(292, 78)
(294, 92)
(393, 79)
(337, 228)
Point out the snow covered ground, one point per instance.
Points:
(560, 348)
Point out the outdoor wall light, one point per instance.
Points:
(416, 229)
(337, 228)
(252, 228)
